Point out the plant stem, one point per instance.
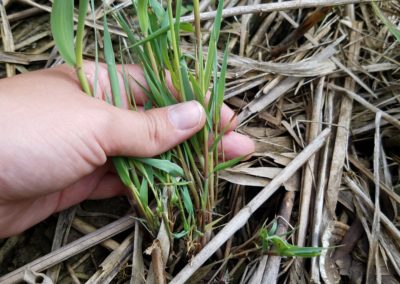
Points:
(83, 7)
(189, 177)
(152, 59)
(176, 49)
(147, 214)
(211, 197)
(83, 80)
(199, 45)
(271, 7)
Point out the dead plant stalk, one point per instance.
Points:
(271, 7)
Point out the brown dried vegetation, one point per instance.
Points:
(293, 72)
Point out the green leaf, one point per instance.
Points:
(163, 165)
(158, 9)
(178, 14)
(112, 68)
(148, 105)
(196, 88)
(221, 84)
(141, 8)
(160, 32)
(212, 48)
(187, 201)
(180, 234)
(186, 27)
(125, 26)
(80, 30)
(62, 27)
(149, 174)
(227, 164)
(210, 226)
(144, 192)
(96, 49)
(152, 36)
(187, 89)
(122, 170)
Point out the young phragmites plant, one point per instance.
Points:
(188, 174)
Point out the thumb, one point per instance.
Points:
(149, 133)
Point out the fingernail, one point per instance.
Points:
(185, 115)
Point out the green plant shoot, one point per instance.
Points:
(188, 172)
(62, 27)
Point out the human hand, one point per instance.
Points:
(55, 140)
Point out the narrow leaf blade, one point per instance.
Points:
(62, 27)
(163, 165)
(227, 164)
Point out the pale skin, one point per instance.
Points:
(55, 141)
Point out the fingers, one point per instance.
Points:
(130, 77)
(109, 186)
(235, 145)
(228, 119)
(80, 190)
(134, 77)
(149, 133)
(155, 125)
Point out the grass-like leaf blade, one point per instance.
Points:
(187, 201)
(112, 69)
(122, 170)
(163, 165)
(212, 48)
(144, 192)
(62, 27)
(227, 164)
(141, 8)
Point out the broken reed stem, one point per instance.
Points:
(385, 220)
(271, 7)
(245, 213)
(389, 118)
(7, 38)
(137, 274)
(373, 254)
(309, 176)
(340, 144)
(114, 262)
(71, 249)
(158, 264)
(321, 185)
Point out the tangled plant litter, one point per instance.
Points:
(142, 43)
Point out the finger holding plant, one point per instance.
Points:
(189, 171)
